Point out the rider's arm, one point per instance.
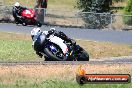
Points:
(23, 8)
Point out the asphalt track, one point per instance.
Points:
(121, 37)
(115, 60)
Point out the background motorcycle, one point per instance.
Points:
(28, 18)
(52, 52)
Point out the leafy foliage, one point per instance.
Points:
(96, 6)
(118, 0)
(128, 11)
(128, 8)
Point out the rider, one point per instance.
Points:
(34, 35)
(17, 9)
(37, 31)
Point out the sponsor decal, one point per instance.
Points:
(83, 78)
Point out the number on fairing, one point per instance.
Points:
(28, 12)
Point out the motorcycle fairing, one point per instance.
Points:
(58, 41)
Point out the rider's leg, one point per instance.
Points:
(37, 52)
(16, 19)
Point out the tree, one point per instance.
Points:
(128, 8)
(95, 6)
(128, 11)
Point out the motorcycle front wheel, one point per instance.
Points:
(54, 53)
(24, 24)
(39, 24)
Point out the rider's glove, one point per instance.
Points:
(51, 31)
(73, 42)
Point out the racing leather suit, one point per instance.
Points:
(59, 35)
(17, 12)
(62, 36)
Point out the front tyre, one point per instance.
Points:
(54, 55)
(16, 22)
(24, 24)
(39, 24)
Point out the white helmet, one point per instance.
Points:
(52, 28)
(35, 31)
(16, 4)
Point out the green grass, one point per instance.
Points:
(27, 3)
(61, 2)
(62, 5)
(14, 50)
(130, 47)
(16, 47)
(52, 4)
(60, 84)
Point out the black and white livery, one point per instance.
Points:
(56, 46)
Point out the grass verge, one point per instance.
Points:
(17, 47)
(60, 84)
(61, 5)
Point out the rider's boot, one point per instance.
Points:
(39, 54)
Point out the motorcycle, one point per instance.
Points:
(53, 52)
(28, 18)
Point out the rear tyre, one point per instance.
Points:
(17, 23)
(83, 56)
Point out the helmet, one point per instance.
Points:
(35, 32)
(16, 4)
(52, 29)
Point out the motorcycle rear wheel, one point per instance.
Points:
(84, 56)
